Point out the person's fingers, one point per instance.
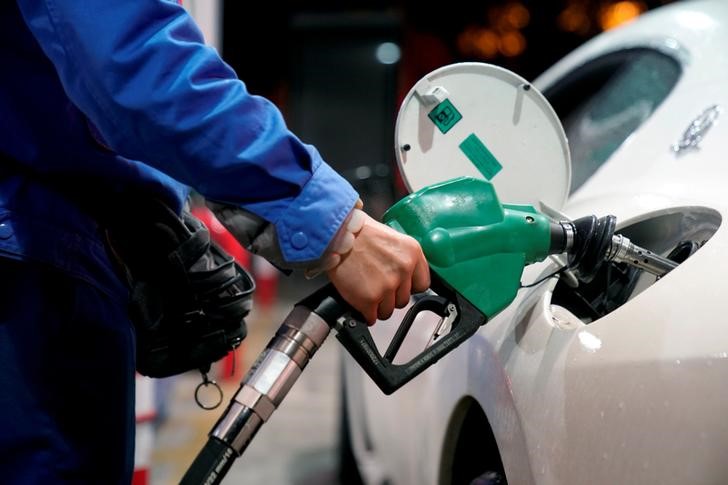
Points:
(380, 272)
(386, 306)
(421, 275)
(403, 293)
(369, 313)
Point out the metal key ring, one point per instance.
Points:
(206, 383)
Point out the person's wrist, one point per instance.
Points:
(342, 244)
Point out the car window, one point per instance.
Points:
(601, 103)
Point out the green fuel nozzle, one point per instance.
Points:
(480, 246)
(476, 244)
(477, 249)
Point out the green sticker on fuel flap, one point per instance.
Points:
(445, 116)
(482, 158)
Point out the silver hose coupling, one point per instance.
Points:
(271, 377)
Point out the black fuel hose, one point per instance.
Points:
(211, 465)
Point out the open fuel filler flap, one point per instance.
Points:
(480, 120)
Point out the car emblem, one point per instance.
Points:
(697, 129)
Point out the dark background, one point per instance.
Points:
(317, 61)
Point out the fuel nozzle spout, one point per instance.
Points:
(589, 242)
(622, 250)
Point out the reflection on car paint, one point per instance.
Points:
(589, 341)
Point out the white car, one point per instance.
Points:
(620, 381)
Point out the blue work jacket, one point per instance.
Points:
(120, 94)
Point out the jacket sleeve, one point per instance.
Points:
(141, 73)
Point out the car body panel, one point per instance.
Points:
(636, 396)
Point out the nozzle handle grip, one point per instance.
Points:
(354, 334)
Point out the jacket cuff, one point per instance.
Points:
(314, 217)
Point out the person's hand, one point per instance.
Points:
(382, 270)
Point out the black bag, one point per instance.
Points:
(188, 297)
